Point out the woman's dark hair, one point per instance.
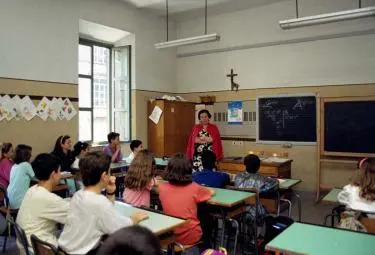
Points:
(5, 148)
(204, 111)
(134, 240)
(92, 166)
(141, 171)
(22, 154)
(44, 164)
(79, 147)
(179, 171)
(60, 140)
(135, 144)
(111, 136)
(252, 163)
(208, 159)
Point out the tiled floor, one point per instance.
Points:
(311, 213)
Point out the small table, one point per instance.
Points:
(302, 238)
(287, 184)
(331, 197)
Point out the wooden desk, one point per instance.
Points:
(269, 166)
(229, 198)
(158, 223)
(331, 197)
(309, 239)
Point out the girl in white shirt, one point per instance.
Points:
(360, 195)
(80, 149)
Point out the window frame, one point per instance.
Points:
(111, 111)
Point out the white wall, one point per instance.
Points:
(39, 40)
(266, 56)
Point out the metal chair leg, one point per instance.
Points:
(290, 205)
(236, 235)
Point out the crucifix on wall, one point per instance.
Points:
(234, 86)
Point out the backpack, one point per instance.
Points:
(351, 222)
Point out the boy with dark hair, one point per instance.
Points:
(207, 176)
(41, 209)
(113, 149)
(251, 179)
(135, 147)
(91, 214)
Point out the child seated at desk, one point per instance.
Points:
(207, 176)
(140, 179)
(360, 194)
(180, 197)
(92, 215)
(251, 179)
(135, 147)
(113, 149)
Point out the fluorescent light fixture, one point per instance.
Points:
(328, 17)
(188, 41)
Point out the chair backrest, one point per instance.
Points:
(369, 223)
(42, 248)
(20, 235)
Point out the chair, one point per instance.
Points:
(6, 212)
(255, 202)
(43, 248)
(369, 223)
(20, 235)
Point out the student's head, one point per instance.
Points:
(365, 179)
(63, 144)
(252, 163)
(208, 159)
(22, 154)
(113, 138)
(179, 171)
(141, 170)
(47, 168)
(204, 116)
(135, 240)
(80, 149)
(6, 151)
(94, 168)
(136, 146)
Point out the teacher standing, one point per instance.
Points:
(204, 136)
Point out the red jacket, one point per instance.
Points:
(216, 140)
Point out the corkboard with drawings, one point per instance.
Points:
(248, 127)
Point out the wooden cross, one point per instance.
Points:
(234, 86)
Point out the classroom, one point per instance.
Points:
(262, 112)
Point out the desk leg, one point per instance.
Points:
(223, 213)
(298, 197)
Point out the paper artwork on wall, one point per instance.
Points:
(2, 109)
(60, 111)
(28, 108)
(54, 107)
(69, 110)
(235, 112)
(8, 106)
(43, 108)
(17, 107)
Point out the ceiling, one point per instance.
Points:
(186, 7)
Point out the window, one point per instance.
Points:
(103, 91)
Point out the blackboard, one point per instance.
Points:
(287, 118)
(349, 126)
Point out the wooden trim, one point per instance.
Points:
(348, 154)
(33, 97)
(348, 99)
(319, 144)
(339, 161)
(232, 138)
(44, 81)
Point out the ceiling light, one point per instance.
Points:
(188, 41)
(328, 17)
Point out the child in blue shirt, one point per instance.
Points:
(207, 176)
(20, 176)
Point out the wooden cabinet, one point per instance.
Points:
(171, 133)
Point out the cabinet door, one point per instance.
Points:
(179, 121)
(155, 132)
